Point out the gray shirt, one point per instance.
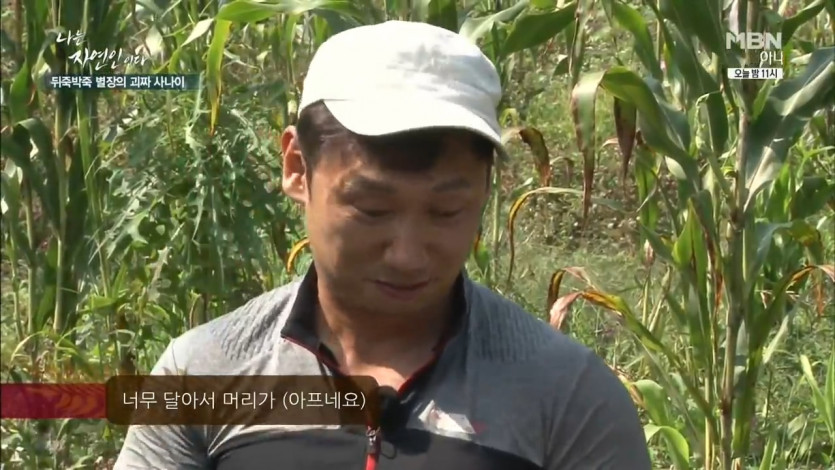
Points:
(506, 391)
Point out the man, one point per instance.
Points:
(391, 160)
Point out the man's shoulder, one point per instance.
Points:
(524, 356)
(559, 394)
(504, 331)
(244, 332)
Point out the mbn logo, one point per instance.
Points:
(754, 40)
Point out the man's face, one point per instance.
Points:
(384, 242)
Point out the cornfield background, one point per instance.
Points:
(678, 222)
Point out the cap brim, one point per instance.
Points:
(382, 117)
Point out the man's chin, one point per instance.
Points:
(382, 306)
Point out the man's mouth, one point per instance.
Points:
(401, 290)
(403, 286)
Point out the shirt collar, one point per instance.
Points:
(301, 324)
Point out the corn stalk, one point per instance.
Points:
(721, 243)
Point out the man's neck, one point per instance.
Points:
(368, 340)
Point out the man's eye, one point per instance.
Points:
(374, 213)
(447, 214)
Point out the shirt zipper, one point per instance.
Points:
(373, 432)
(373, 435)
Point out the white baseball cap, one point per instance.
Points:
(398, 76)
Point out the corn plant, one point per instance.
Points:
(824, 404)
(740, 232)
(103, 209)
(53, 195)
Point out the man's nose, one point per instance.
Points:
(407, 249)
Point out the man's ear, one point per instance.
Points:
(294, 171)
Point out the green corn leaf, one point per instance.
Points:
(200, 29)
(791, 25)
(442, 13)
(812, 196)
(631, 20)
(534, 29)
(712, 111)
(475, 29)
(788, 108)
(818, 398)
(46, 186)
(702, 19)
(249, 11)
(829, 392)
(19, 94)
(763, 239)
(655, 401)
(676, 444)
(770, 450)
